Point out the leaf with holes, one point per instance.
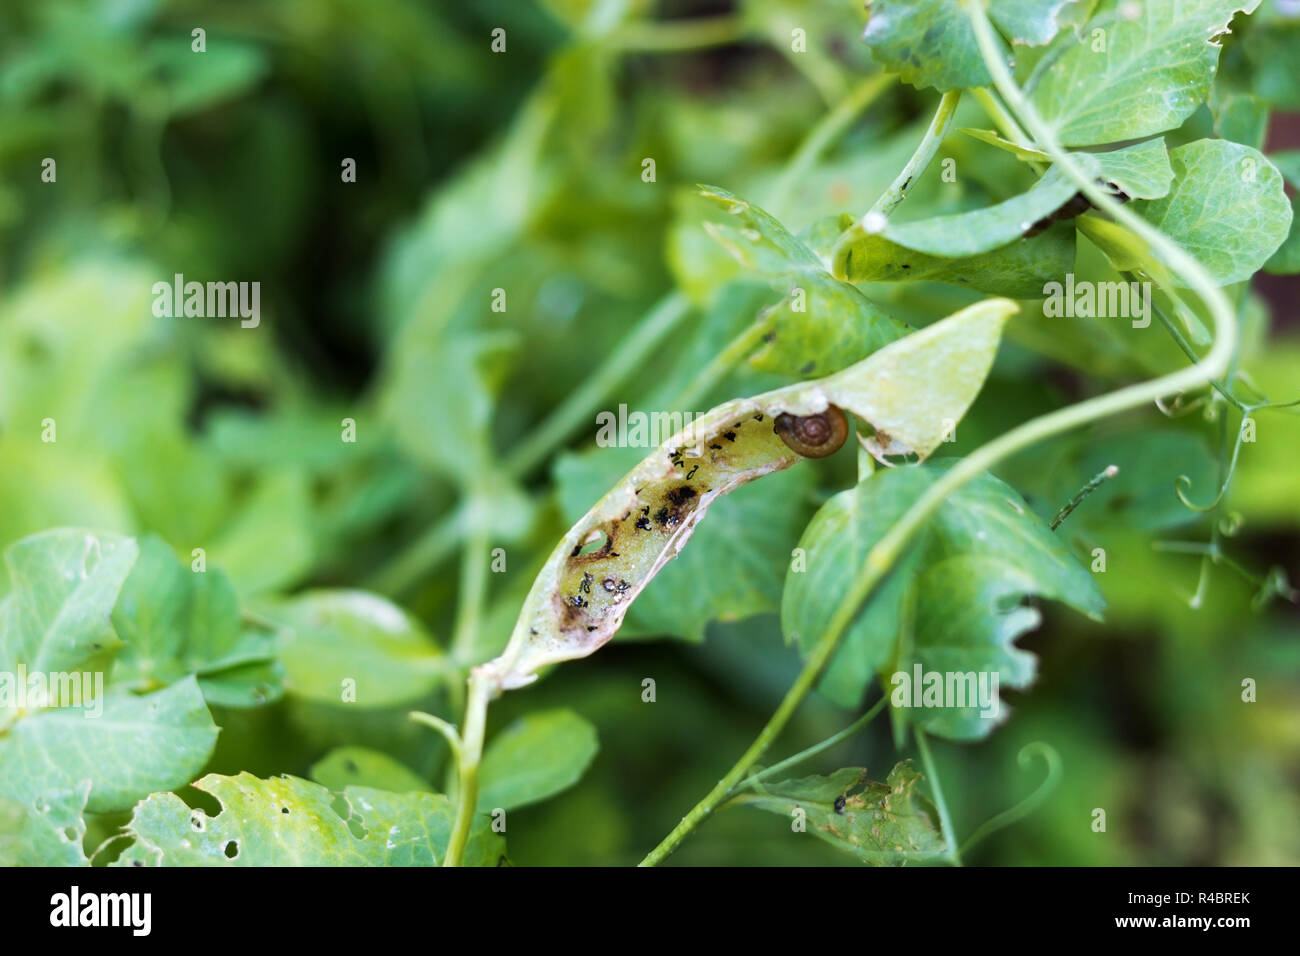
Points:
(883, 824)
(287, 821)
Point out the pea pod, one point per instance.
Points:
(910, 394)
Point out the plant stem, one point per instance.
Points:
(884, 554)
(826, 132)
(467, 763)
(473, 583)
(949, 837)
(1004, 121)
(1110, 471)
(816, 748)
(921, 158)
(671, 36)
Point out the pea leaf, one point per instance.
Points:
(954, 595)
(287, 821)
(47, 831)
(1036, 22)
(346, 767)
(883, 824)
(136, 746)
(536, 757)
(1143, 168)
(1152, 72)
(65, 583)
(911, 392)
(352, 646)
(175, 621)
(1286, 260)
(822, 325)
(1227, 207)
(928, 43)
(1019, 269)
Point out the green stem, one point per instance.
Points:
(816, 748)
(1110, 471)
(826, 132)
(1004, 121)
(949, 838)
(467, 763)
(921, 158)
(885, 553)
(672, 36)
(473, 583)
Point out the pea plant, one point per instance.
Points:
(880, 476)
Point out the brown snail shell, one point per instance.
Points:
(813, 436)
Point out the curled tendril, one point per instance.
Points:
(1183, 484)
(1230, 524)
(1030, 803)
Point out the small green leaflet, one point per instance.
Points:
(175, 621)
(287, 821)
(883, 824)
(536, 757)
(822, 325)
(355, 647)
(1139, 69)
(346, 767)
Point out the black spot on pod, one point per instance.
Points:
(813, 436)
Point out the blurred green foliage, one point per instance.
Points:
(522, 171)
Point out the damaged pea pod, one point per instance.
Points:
(910, 393)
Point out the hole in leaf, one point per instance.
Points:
(231, 849)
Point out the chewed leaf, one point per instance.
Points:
(883, 824)
(910, 393)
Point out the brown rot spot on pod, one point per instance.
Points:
(813, 436)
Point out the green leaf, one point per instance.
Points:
(822, 325)
(355, 647)
(287, 821)
(1141, 171)
(1036, 22)
(983, 549)
(362, 767)
(928, 43)
(65, 583)
(536, 757)
(883, 824)
(175, 621)
(1143, 168)
(268, 545)
(1154, 71)
(832, 548)
(1227, 208)
(1286, 260)
(48, 830)
(136, 746)
(1018, 270)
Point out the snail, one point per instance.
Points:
(813, 436)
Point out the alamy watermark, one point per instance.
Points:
(214, 300)
(38, 690)
(922, 688)
(1098, 300)
(638, 429)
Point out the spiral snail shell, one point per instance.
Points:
(813, 436)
